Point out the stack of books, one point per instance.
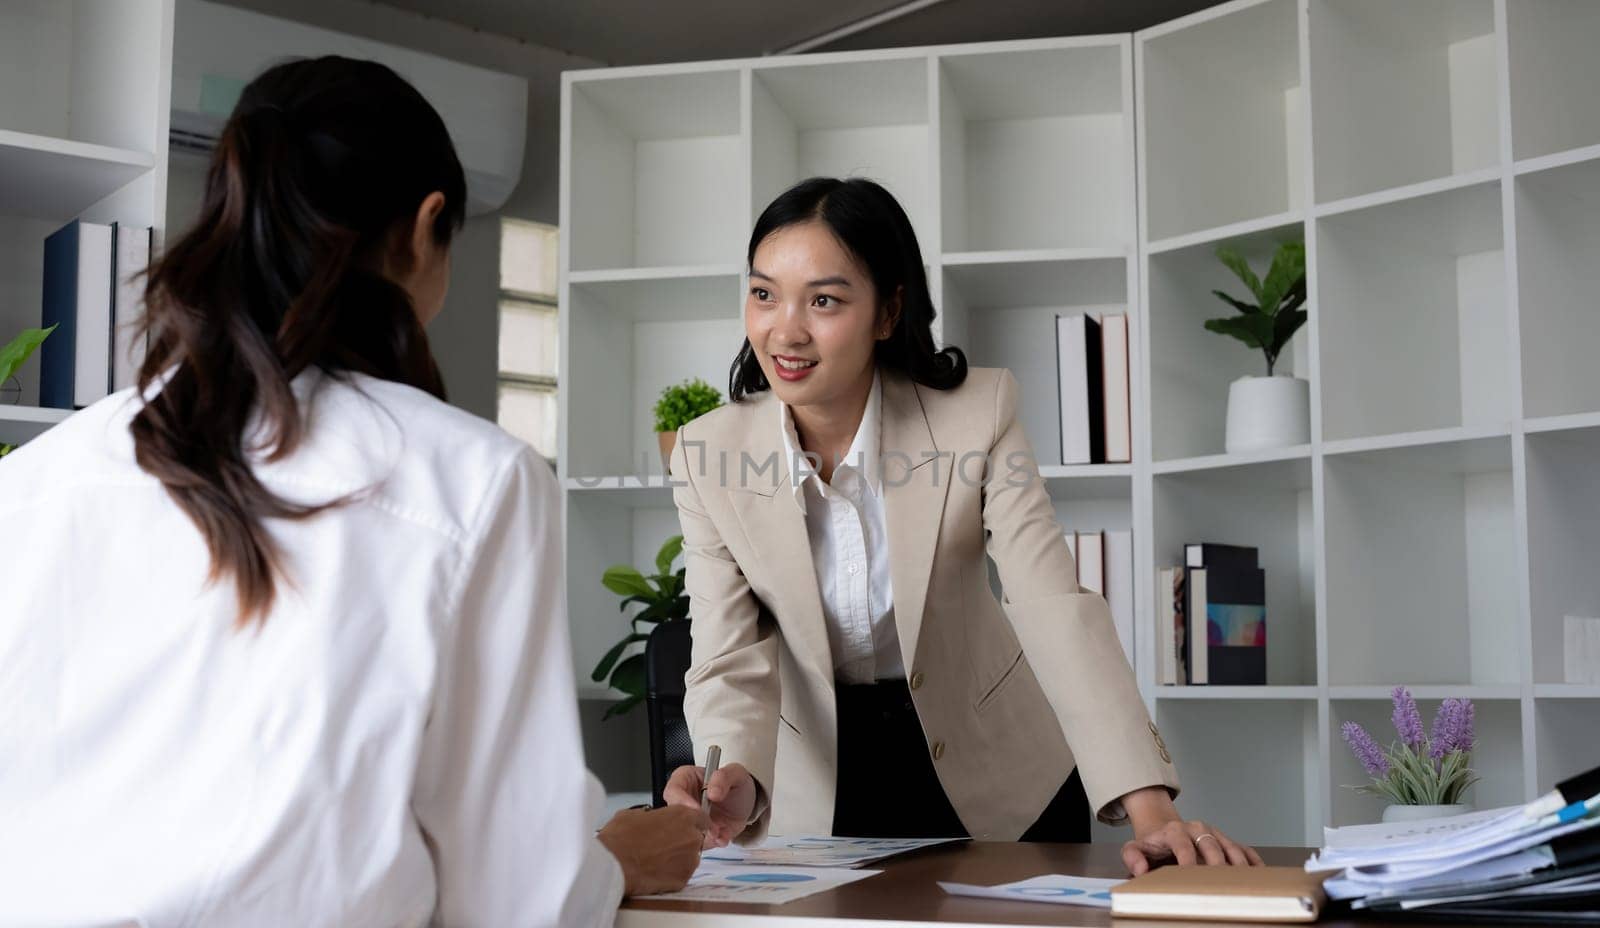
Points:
(92, 294)
(1211, 618)
(1105, 566)
(1538, 863)
(1092, 368)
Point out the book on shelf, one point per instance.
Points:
(1092, 374)
(1229, 609)
(1081, 389)
(1171, 641)
(1118, 407)
(79, 277)
(93, 290)
(132, 246)
(1119, 585)
(1091, 562)
(1207, 554)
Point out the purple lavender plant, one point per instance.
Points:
(1407, 718)
(1452, 729)
(1419, 768)
(1366, 750)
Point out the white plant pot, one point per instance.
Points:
(1396, 813)
(1268, 412)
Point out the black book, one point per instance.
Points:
(1228, 626)
(1208, 554)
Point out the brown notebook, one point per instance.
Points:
(1259, 894)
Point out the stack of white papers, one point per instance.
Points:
(1490, 862)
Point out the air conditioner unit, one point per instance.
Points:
(218, 49)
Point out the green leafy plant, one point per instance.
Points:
(663, 600)
(1277, 313)
(20, 349)
(1422, 768)
(685, 402)
(6, 449)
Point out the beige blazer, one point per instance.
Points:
(1011, 694)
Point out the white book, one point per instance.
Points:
(1167, 627)
(1196, 617)
(133, 258)
(1119, 585)
(1072, 371)
(1091, 562)
(91, 371)
(1114, 371)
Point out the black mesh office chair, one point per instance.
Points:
(666, 660)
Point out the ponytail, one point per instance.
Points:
(319, 165)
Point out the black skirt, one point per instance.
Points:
(888, 787)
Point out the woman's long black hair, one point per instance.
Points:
(869, 222)
(320, 163)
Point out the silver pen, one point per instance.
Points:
(713, 758)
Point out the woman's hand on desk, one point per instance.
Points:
(732, 794)
(658, 849)
(1160, 834)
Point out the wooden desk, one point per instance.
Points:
(905, 893)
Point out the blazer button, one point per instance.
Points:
(938, 749)
(916, 680)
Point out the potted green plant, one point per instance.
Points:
(679, 404)
(662, 599)
(1423, 774)
(1272, 411)
(15, 354)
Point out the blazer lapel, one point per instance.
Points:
(914, 496)
(776, 527)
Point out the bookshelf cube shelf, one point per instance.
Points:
(661, 158)
(1421, 561)
(605, 529)
(1558, 238)
(1267, 506)
(1003, 314)
(861, 118)
(1553, 75)
(1563, 541)
(1567, 732)
(83, 135)
(1251, 766)
(1412, 320)
(1029, 145)
(1497, 757)
(1191, 367)
(1402, 92)
(628, 339)
(1441, 161)
(1222, 120)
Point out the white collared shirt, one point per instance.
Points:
(850, 548)
(397, 744)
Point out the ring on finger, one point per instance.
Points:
(1201, 837)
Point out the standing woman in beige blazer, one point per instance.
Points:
(849, 657)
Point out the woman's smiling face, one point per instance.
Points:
(812, 316)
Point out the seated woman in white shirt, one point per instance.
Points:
(284, 640)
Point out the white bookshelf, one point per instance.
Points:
(1441, 161)
(83, 136)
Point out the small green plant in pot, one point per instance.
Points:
(662, 599)
(1272, 411)
(681, 404)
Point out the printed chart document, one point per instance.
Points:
(1053, 887)
(815, 851)
(718, 881)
